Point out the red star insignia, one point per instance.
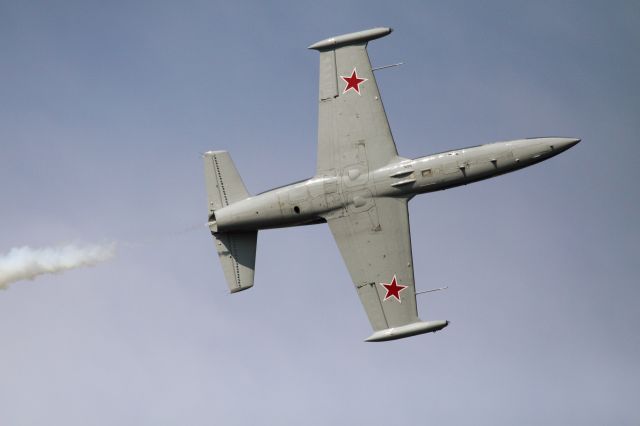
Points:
(393, 289)
(353, 82)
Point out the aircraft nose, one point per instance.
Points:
(571, 142)
(565, 143)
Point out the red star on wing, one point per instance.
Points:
(353, 82)
(393, 289)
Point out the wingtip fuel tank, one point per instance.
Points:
(408, 330)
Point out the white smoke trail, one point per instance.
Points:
(25, 263)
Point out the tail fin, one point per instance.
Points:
(224, 184)
(237, 253)
(237, 250)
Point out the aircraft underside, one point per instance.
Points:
(361, 189)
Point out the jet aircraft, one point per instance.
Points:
(361, 189)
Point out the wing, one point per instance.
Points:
(350, 111)
(376, 247)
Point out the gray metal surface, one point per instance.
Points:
(375, 244)
(361, 189)
(407, 330)
(352, 125)
(237, 250)
(351, 38)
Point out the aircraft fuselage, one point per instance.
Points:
(355, 187)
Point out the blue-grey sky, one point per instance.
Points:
(104, 109)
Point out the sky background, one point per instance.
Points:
(104, 109)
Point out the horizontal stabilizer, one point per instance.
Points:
(237, 253)
(224, 184)
(237, 250)
(407, 330)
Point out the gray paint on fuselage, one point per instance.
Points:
(355, 188)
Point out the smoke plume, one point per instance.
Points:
(25, 263)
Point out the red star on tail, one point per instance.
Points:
(353, 82)
(393, 289)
